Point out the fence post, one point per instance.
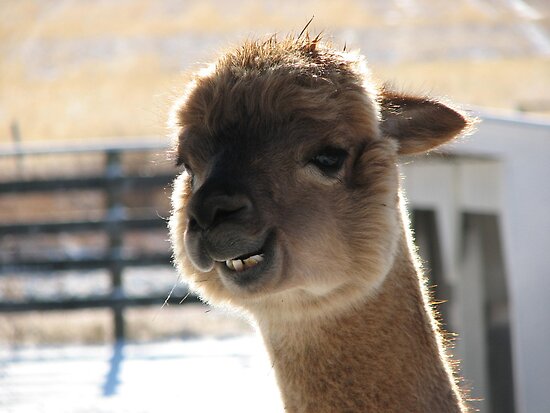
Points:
(115, 216)
(16, 136)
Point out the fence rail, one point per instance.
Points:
(102, 301)
(85, 182)
(78, 226)
(113, 182)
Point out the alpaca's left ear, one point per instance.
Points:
(419, 124)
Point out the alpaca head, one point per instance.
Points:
(289, 194)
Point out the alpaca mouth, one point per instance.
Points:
(250, 268)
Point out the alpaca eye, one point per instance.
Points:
(187, 169)
(189, 172)
(329, 160)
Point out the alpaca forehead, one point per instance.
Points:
(287, 93)
(267, 101)
(264, 117)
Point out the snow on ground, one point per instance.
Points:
(202, 375)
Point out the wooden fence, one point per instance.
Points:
(111, 180)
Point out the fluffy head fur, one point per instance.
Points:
(251, 124)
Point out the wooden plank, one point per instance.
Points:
(84, 263)
(145, 144)
(86, 182)
(80, 226)
(107, 301)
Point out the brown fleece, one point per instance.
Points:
(341, 306)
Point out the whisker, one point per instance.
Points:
(184, 298)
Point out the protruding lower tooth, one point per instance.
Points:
(258, 258)
(238, 264)
(241, 265)
(250, 262)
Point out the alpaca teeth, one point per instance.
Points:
(241, 265)
(250, 261)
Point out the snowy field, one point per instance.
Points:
(202, 375)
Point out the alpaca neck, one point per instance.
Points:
(380, 356)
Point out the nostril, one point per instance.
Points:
(215, 209)
(221, 214)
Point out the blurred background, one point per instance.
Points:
(86, 284)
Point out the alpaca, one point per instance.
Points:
(289, 208)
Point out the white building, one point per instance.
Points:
(482, 213)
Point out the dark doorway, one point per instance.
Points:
(497, 319)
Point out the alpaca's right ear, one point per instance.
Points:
(419, 124)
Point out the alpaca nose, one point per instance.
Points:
(210, 209)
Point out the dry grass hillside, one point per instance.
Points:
(78, 69)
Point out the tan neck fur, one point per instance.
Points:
(382, 356)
